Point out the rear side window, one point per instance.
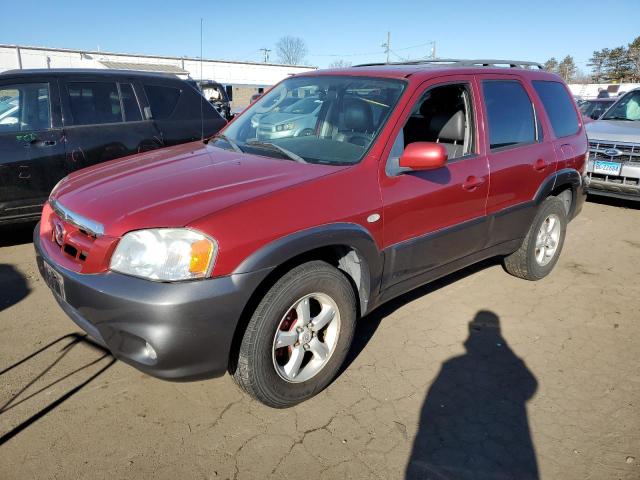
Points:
(94, 103)
(162, 100)
(510, 113)
(558, 106)
(130, 103)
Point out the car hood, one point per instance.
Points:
(614, 131)
(175, 186)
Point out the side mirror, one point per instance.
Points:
(424, 156)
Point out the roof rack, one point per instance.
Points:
(455, 62)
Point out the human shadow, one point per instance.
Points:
(13, 286)
(473, 423)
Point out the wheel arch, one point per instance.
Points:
(558, 182)
(348, 247)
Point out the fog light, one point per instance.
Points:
(149, 352)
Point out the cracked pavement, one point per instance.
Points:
(480, 375)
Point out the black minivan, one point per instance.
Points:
(53, 122)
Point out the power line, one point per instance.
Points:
(266, 53)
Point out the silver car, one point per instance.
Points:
(295, 120)
(613, 168)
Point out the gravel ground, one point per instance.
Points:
(480, 375)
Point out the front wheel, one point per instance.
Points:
(298, 336)
(542, 246)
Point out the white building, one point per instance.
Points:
(591, 90)
(241, 79)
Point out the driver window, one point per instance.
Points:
(442, 115)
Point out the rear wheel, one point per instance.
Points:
(298, 336)
(541, 247)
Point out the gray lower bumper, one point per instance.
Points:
(178, 331)
(626, 185)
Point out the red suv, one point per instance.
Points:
(255, 252)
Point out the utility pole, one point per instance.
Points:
(433, 50)
(387, 46)
(266, 54)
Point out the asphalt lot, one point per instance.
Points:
(480, 375)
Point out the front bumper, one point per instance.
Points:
(627, 185)
(175, 331)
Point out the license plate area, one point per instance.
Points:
(607, 168)
(54, 280)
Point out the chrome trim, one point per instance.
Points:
(90, 226)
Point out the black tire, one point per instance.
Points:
(522, 263)
(255, 372)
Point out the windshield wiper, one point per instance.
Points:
(224, 138)
(288, 153)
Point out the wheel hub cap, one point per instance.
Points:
(547, 240)
(306, 337)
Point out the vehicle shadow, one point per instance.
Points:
(13, 286)
(473, 423)
(614, 202)
(17, 234)
(67, 344)
(366, 327)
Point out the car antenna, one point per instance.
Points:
(201, 93)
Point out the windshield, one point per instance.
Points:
(627, 108)
(322, 119)
(594, 108)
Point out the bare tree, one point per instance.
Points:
(340, 64)
(291, 50)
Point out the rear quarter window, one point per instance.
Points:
(559, 107)
(162, 100)
(510, 114)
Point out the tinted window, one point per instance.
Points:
(559, 107)
(130, 103)
(94, 103)
(24, 107)
(162, 100)
(511, 119)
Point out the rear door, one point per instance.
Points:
(32, 147)
(519, 157)
(104, 120)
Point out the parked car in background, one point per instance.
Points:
(294, 120)
(614, 150)
(594, 108)
(257, 257)
(53, 122)
(217, 96)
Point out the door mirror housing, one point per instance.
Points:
(424, 156)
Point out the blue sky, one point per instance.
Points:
(349, 29)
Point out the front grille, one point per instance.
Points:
(629, 152)
(634, 182)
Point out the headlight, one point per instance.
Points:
(166, 254)
(285, 126)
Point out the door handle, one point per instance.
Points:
(472, 182)
(43, 143)
(539, 165)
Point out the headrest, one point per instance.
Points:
(358, 116)
(447, 127)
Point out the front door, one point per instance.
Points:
(32, 146)
(434, 217)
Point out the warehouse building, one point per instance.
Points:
(240, 79)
